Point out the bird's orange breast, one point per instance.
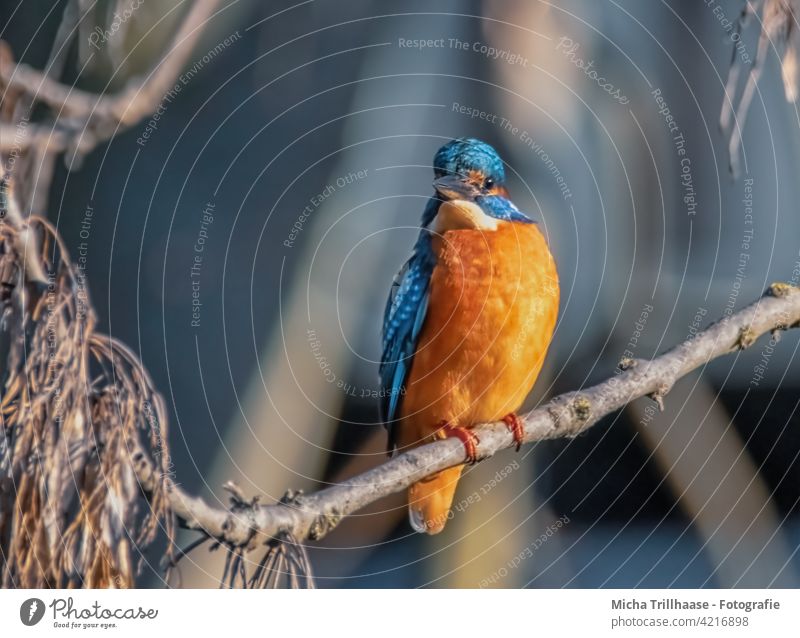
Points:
(491, 315)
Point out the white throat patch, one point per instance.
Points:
(460, 214)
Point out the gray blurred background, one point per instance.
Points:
(308, 138)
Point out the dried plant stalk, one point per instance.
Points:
(75, 406)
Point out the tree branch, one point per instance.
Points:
(313, 516)
(108, 113)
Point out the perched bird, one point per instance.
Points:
(468, 320)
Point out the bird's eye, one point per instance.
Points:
(488, 184)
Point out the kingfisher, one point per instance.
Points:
(468, 322)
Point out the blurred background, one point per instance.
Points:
(294, 159)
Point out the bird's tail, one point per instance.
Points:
(429, 500)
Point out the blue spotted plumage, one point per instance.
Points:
(408, 299)
(402, 322)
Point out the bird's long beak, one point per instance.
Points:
(455, 187)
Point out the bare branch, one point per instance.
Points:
(780, 32)
(125, 108)
(314, 515)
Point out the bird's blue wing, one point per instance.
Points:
(402, 323)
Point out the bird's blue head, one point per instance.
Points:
(471, 159)
(470, 170)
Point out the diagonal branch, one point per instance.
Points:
(314, 515)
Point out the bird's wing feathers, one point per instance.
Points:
(402, 323)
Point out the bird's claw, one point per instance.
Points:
(468, 438)
(514, 424)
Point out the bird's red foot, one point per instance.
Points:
(514, 423)
(468, 438)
